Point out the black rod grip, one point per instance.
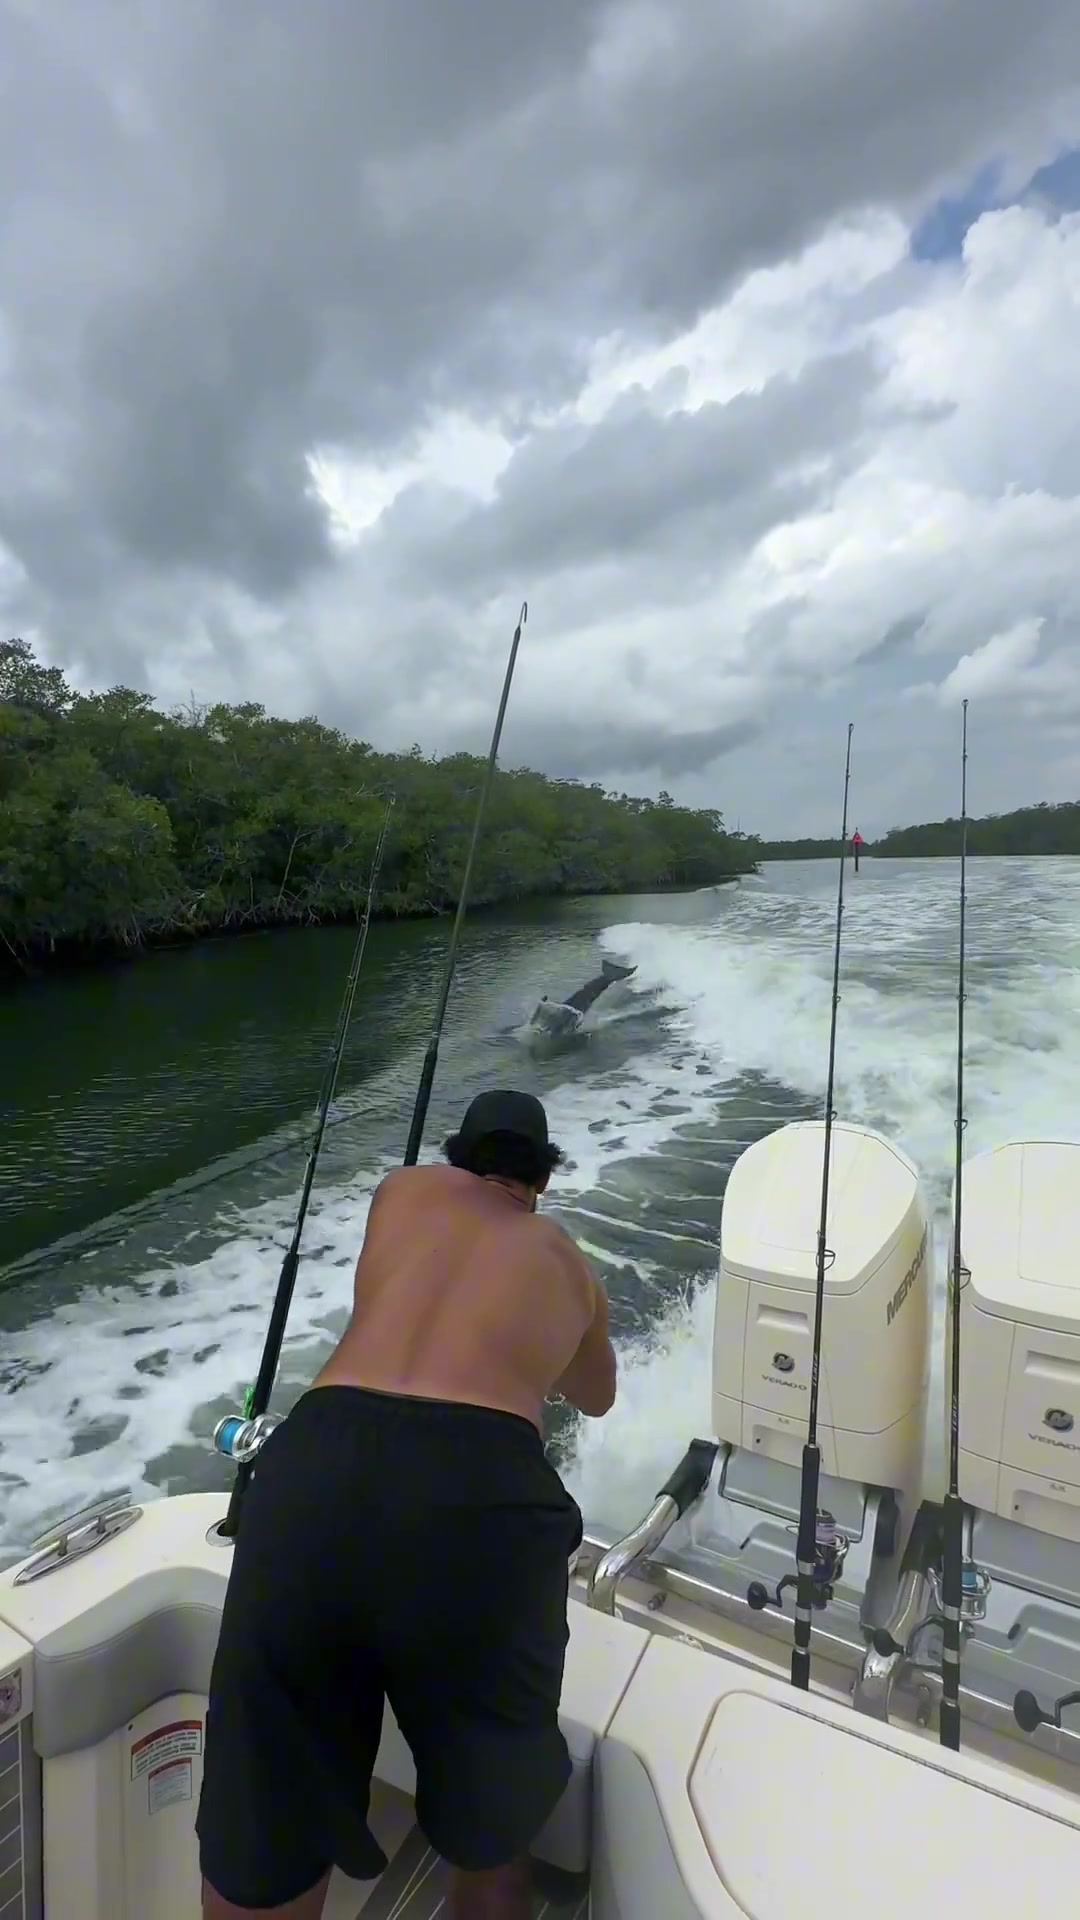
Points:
(806, 1558)
(691, 1476)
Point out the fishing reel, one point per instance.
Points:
(830, 1552)
(974, 1589)
(240, 1440)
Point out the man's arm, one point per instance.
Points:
(589, 1381)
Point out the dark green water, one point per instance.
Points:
(123, 1081)
(120, 1082)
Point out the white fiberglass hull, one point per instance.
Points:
(704, 1785)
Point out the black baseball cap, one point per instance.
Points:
(504, 1111)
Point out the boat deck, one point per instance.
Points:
(413, 1886)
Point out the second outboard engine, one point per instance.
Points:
(1019, 1464)
(1020, 1440)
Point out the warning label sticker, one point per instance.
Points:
(168, 1784)
(177, 1741)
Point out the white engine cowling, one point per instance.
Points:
(876, 1317)
(1020, 1335)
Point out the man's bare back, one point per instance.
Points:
(468, 1310)
(462, 1292)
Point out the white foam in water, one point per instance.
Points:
(755, 996)
(105, 1352)
(746, 994)
(752, 991)
(619, 1464)
(120, 1375)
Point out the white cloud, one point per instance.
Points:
(961, 517)
(995, 668)
(460, 454)
(778, 320)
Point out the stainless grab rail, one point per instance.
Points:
(676, 1497)
(614, 1561)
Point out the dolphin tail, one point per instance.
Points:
(612, 972)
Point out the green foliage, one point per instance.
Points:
(121, 825)
(800, 849)
(1027, 830)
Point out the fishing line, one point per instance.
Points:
(257, 1398)
(806, 1550)
(953, 1509)
(431, 1057)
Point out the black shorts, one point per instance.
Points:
(412, 1549)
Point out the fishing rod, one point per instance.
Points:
(953, 1511)
(431, 1057)
(806, 1549)
(257, 1398)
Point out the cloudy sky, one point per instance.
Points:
(743, 342)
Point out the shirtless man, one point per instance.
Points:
(405, 1534)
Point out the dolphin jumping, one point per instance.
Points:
(599, 984)
(562, 1016)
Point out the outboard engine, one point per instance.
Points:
(874, 1354)
(734, 1547)
(1019, 1466)
(874, 1344)
(1020, 1337)
(1020, 1436)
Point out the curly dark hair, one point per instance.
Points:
(507, 1156)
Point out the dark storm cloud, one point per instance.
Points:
(206, 269)
(897, 638)
(639, 485)
(593, 749)
(228, 233)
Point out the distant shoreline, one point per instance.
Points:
(765, 858)
(1046, 830)
(71, 957)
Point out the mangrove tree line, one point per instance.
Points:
(121, 824)
(1044, 828)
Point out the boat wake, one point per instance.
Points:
(118, 1364)
(747, 1008)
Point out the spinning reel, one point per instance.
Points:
(830, 1552)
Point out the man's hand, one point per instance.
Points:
(589, 1382)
